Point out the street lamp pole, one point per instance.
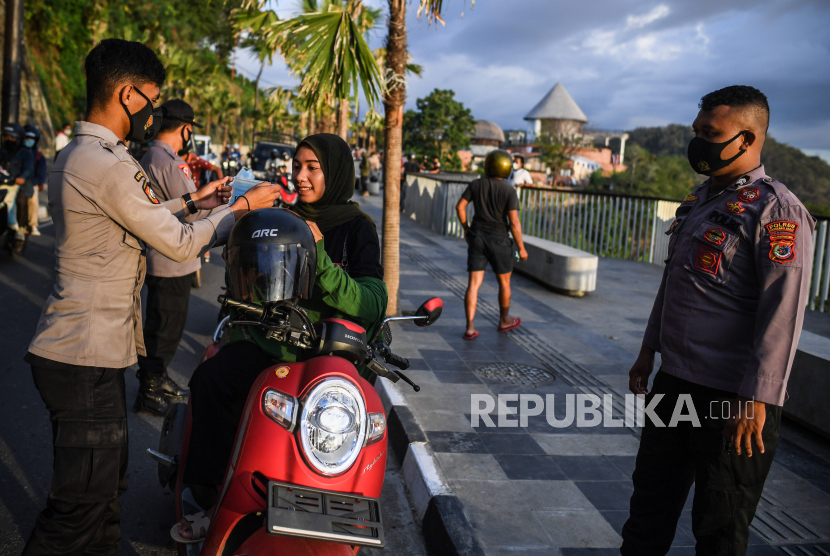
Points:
(12, 61)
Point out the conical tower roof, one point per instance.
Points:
(557, 105)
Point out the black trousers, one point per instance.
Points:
(218, 391)
(167, 303)
(727, 486)
(88, 410)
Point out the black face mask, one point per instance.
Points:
(188, 145)
(144, 124)
(10, 145)
(705, 156)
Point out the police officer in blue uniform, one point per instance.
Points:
(726, 322)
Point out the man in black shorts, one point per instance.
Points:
(496, 213)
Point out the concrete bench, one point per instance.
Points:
(809, 383)
(562, 268)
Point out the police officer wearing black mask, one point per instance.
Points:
(105, 213)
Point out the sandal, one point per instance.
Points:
(470, 336)
(516, 322)
(198, 522)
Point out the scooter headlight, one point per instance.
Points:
(333, 426)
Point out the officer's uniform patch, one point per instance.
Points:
(707, 260)
(186, 169)
(690, 199)
(714, 235)
(150, 195)
(781, 241)
(749, 195)
(673, 226)
(139, 176)
(735, 207)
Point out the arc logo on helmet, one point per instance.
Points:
(265, 233)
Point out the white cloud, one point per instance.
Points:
(640, 21)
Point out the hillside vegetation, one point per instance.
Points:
(807, 176)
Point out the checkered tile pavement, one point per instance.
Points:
(540, 490)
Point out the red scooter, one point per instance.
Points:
(307, 470)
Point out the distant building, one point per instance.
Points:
(515, 137)
(486, 137)
(557, 113)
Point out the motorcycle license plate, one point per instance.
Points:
(319, 514)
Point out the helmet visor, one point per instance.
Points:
(266, 272)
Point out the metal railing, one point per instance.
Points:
(615, 226)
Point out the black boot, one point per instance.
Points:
(173, 390)
(151, 396)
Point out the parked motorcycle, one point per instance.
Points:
(306, 474)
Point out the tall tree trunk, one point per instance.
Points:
(393, 103)
(343, 119)
(312, 122)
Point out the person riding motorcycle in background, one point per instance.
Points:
(349, 284)
(19, 164)
(30, 140)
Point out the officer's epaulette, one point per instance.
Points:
(118, 149)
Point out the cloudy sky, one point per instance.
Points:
(627, 63)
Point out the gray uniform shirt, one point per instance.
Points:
(170, 178)
(730, 308)
(104, 212)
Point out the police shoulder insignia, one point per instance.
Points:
(707, 260)
(673, 226)
(781, 241)
(139, 176)
(690, 199)
(735, 207)
(749, 195)
(186, 169)
(150, 195)
(714, 235)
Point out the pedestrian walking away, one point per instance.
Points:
(168, 282)
(488, 241)
(726, 321)
(105, 212)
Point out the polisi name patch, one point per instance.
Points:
(265, 232)
(781, 227)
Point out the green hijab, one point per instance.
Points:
(334, 207)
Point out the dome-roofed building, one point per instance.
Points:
(486, 137)
(557, 114)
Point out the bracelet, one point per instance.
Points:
(246, 202)
(191, 205)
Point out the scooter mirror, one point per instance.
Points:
(431, 310)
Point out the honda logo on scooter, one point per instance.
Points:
(265, 233)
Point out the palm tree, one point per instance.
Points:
(393, 102)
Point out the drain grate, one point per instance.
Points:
(514, 373)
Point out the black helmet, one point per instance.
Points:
(272, 256)
(13, 130)
(498, 164)
(32, 132)
(275, 152)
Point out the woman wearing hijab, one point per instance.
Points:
(349, 285)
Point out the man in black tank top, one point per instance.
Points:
(496, 216)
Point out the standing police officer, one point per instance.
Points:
(168, 282)
(726, 322)
(105, 212)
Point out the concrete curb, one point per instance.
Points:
(446, 530)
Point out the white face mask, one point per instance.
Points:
(515, 165)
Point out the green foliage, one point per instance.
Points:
(671, 140)
(555, 151)
(61, 33)
(452, 162)
(439, 125)
(806, 176)
(650, 175)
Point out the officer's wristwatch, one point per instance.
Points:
(191, 204)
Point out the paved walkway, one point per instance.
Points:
(538, 490)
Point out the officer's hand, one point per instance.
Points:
(745, 425)
(212, 195)
(318, 235)
(522, 254)
(640, 371)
